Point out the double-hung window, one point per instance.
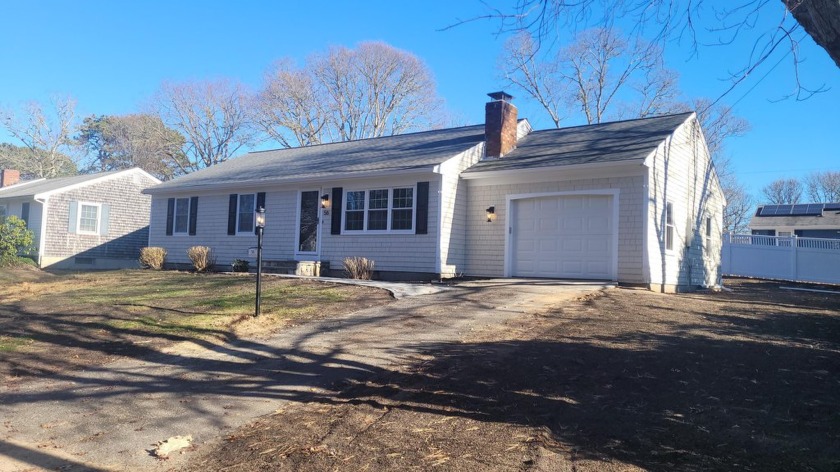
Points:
(379, 210)
(88, 218)
(181, 216)
(669, 226)
(245, 213)
(708, 232)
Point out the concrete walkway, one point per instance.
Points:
(109, 417)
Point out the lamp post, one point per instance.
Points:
(260, 227)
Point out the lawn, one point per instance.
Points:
(621, 380)
(52, 323)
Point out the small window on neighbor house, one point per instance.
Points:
(181, 217)
(708, 231)
(245, 213)
(669, 226)
(2, 212)
(88, 218)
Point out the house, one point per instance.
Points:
(636, 202)
(96, 221)
(808, 220)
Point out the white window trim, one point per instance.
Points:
(672, 225)
(79, 229)
(249, 232)
(175, 231)
(390, 209)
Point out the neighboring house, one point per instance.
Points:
(807, 220)
(96, 221)
(636, 202)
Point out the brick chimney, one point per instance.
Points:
(499, 125)
(9, 177)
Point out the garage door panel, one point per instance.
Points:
(563, 237)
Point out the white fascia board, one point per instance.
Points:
(104, 178)
(562, 172)
(257, 184)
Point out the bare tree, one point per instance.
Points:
(47, 135)
(347, 94)
(783, 192)
(823, 187)
(598, 72)
(122, 142)
(212, 116)
(688, 21)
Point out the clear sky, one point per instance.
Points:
(112, 55)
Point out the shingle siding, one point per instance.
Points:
(681, 173)
(453, 240)
(128, 220)
(486, 241)
(391, 252)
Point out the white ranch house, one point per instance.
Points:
(636, 202)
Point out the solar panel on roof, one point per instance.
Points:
(832, 206)
(768, 210)
(815, 209)
(799, 210)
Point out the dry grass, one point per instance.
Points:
(202, 258)
(152, 257)
(359, 268)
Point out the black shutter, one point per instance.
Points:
(24, 213)
(232, 214)
(193, 214)
(421, 222)
(260, 204)
(337, 196)
(170, 214)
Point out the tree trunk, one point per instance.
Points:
(821, 20)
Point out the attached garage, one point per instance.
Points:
(572, 236)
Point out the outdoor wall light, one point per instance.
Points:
(260, 221)
(325, 201)
(491, 214)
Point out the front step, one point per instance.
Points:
(305, 268)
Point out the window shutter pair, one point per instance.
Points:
(170, 216)
(233, 207)
(73, 217)
(421, 216)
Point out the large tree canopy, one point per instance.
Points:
(346, 94)
(46, 134)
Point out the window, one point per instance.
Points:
(245, 213)
(708, 231)
(379, 210)
(88, 218)
(2, 213)
(181, 216)
(669, 226)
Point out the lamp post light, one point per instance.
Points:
(260, 227)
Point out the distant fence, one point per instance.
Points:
(785, 258)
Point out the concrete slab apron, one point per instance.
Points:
(108, 417)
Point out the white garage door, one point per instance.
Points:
(563, 237)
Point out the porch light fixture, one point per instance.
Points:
(325, 201)
(491, 214)
(260, 227)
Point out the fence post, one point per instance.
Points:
(794, 256)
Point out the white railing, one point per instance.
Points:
(782, 257)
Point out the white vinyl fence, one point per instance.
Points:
(783, 258)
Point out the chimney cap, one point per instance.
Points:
(500, 95)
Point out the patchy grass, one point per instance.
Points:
(69, 320)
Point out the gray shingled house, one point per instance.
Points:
(636, 202)
(806, 220)
(95, 221)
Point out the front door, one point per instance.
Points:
(307, 241)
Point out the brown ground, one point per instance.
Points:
(57, 323)
(624, 380)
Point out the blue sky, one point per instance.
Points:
(112, 56)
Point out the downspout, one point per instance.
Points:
(42, 231)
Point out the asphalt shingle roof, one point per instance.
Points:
(391, 153)
(606, 142)
(32, 188)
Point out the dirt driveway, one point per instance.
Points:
(619, 381)
(107, 417)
